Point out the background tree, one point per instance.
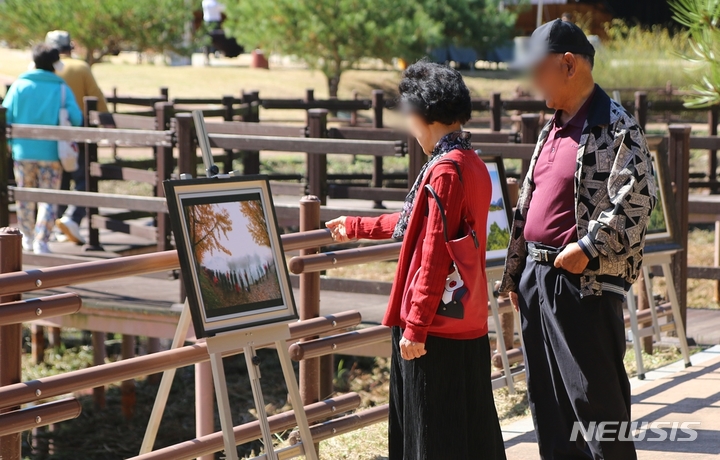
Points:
(257, 225)
(702, 19)
(335, 35)
(478, 24)
(98, 27)
(205, 223)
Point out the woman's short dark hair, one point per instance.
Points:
(435, 92)
(45, 56)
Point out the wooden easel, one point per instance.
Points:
(247, 340)
(662, 259)
(494, 273)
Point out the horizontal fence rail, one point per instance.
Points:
(91, 135)
(87, 272)
(56, 385)
(44, 307)
(308, 145)
(339, 343)
(90, 199)
(250, 431)
(99, 270)
(328, 260)
(37, 416)
(350, 423)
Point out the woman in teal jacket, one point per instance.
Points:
(34, 99)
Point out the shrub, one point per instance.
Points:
(635, 57)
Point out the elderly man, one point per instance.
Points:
(576, 247)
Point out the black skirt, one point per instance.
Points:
(441, 405)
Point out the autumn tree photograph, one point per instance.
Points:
(233, 256)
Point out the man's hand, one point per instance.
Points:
(338, 229)
(411, 350)
(572, 259)
(514, 300)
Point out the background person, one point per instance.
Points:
(79, 78)
(212, 18)
(441, 400)
(34, 99)
(576, 248)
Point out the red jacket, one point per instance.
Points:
(424, 248)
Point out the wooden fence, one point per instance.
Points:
(14, 393)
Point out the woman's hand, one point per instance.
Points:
(338, 229)
(410, 350)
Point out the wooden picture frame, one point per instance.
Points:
(232, 260)
(500, 215)
(662, 233)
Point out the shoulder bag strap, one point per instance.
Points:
(429, 188)
(434, 194)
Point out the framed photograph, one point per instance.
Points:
(232, 260)
(500, 215)
(662, 228)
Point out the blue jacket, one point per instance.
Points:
(34, 99)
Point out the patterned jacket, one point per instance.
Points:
(615, 192)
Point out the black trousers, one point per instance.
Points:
(441, 405)
(574, 352)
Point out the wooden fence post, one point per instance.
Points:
(153, 346)
(187, 144)
(37, 343)
(204, 403)
(54, 336)
(164, 160)
(310, 377)
(496, 112)
(227, 103)
(91, 182)
(317, 163)
(251, 160)
(713, 119)
(309, 97)
(127, 387)
(378, 104)
(353, 114)
(529, 134)
(643, 303)
(164, 93)
(416, 160)
(5, 168)
(641, 108)
(11, 335)
(114, 95)
(98, 344)
(679, 157)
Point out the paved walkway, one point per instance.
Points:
(670, 394)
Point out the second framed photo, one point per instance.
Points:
(232, 260)
(662, 228)
(499, 218)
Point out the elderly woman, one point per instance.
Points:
(441, 401)
(36, 98)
